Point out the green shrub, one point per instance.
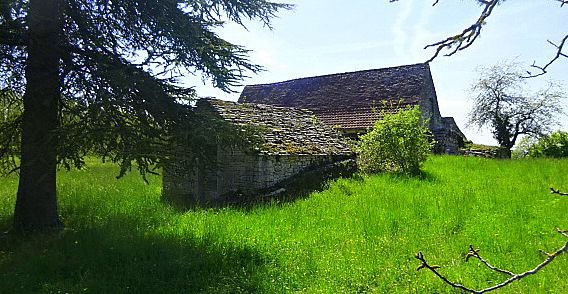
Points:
(553, 145)
(523, 147)
(397, 143)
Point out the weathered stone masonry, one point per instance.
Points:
(354, 101)
(249, 173)
(293, 142)
(295, 120)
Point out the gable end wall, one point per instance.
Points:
(429, 102)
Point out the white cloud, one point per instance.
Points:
(420, 33)
(400, 26)
(268, 60)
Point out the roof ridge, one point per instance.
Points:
(254, 104)
(344, 73)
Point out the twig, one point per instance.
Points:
(433, 268)
(475, 253)
(559, 54)
(514, 277)
(563, 232)
(556, 191)
(467, 37)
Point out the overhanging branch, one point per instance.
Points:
(434, 269)
(559, 53)
(475, 253)
(467, 37)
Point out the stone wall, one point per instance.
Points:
(237, 173)
(429, 103)
(179, 181)
(447, 142)
(281, 142)
(449, 138)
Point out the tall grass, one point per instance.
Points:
(358, 235)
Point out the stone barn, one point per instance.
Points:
(288, 143)
(353, 101)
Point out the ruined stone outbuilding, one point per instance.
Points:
(353, 101)
(288, 143)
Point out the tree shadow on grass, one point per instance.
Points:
(5, 223)
(113, 259)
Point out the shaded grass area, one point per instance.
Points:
(358, 235)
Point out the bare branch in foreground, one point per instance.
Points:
(513, 277)
(475, 253)
(433, 268)
(556, 191)
(466, 38)
(559, 54)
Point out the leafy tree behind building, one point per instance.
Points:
(503, 102)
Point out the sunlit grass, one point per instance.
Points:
(359, 235)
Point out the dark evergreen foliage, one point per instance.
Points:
(103, 76)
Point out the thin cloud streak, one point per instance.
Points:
(399, 28)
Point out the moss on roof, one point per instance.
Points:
(350, 100)
(284, 130)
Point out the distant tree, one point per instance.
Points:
(523, 146)
(103, 75)
(10, 119)
(503, 102)
(396, 143)
(553, 145)
(463, 40)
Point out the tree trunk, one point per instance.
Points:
(36, 202)
(503, 153)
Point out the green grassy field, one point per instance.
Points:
(359, 235)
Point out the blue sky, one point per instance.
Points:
(332, 36)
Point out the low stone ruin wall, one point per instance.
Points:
(248, 173)
(446, 142)
(237, 173)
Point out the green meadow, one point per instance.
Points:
(358, 235)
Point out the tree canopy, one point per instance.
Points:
(503, 102)
(103, 76)
(553, 145)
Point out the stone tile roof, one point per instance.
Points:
(285, 130)
(352, 100)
